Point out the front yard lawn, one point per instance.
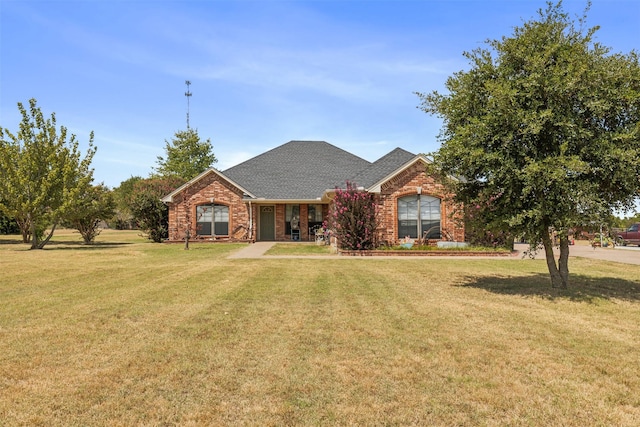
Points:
(135, 333)
(299, 248)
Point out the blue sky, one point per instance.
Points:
(262, 72)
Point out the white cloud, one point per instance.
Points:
(230, 158)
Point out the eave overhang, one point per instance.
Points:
(265, 201)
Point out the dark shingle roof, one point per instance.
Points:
(381, 167)
(297, 170)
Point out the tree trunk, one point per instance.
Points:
(25, 228)
(563, 261)
(34, 235)
(557, 280)
(36, 244)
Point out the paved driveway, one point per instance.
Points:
(623, 254)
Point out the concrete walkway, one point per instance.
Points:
(254, 250)
(622, 254)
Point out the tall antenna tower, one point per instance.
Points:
(188, 95)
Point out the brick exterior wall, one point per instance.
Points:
(182, 212)
(406, 183)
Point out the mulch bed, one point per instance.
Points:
(451, 253)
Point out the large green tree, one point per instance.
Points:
(123, 195)
(90, 208)
(186, 155)
(149, 212)
(41, 174)
(544, 128)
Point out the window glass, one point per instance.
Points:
(408, 208)
(315, 213)
(291, 211)
(418, 215)
(212, 216)
(203, 213)
(221, 220)
(221, 213)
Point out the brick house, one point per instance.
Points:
(284, 194)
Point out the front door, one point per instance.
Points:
(267, 223)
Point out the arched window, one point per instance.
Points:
(212, 217)
(417, 215)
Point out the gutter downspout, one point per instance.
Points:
(250, 221)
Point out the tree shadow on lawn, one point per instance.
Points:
(581, 288)
(59, 245)
(67, 244)
(10, 241)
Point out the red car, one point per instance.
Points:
(629, 237)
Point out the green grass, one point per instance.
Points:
(132, 333)
(299, 249)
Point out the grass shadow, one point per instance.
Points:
(4, 241)
(67, 244)
(581, 288)
(79, 245)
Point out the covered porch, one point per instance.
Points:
(291, 221)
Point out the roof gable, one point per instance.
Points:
(382, 167)
(377, 186)
(169, 197)
(300, 170)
